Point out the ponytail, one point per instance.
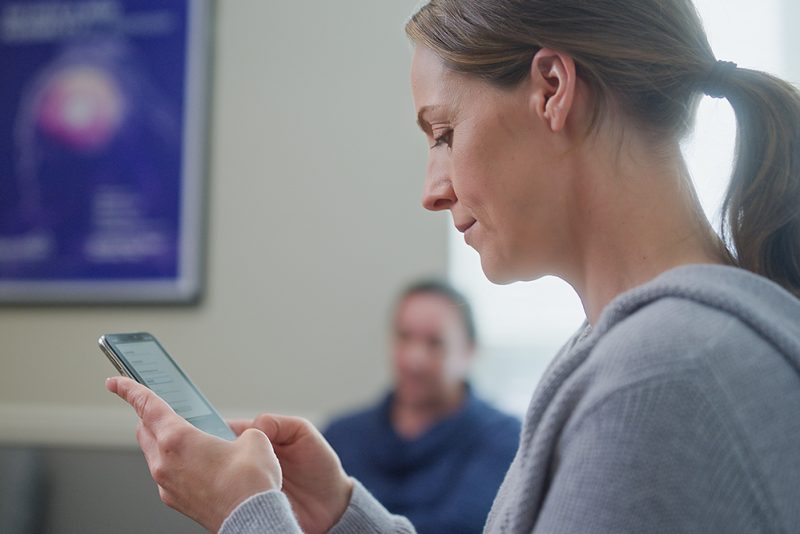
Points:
(761, 211)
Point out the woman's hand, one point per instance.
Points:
(201, 476)
(313, 478)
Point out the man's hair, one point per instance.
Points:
(433, 286)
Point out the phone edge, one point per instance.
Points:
(109, 352)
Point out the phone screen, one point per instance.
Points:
(149, 364)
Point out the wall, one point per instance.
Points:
(314, 221)
(792, 38)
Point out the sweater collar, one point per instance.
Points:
(396, 452)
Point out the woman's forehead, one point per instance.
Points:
(430, 77)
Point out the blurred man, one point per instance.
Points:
(430, 450)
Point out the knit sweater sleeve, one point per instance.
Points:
(656, 456)
(264, 513)
(271, 513)
(366, 515)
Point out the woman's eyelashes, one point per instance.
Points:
(444, 138)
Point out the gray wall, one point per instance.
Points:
(314, 221)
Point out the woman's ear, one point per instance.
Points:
(553, 82)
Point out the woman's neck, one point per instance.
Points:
(642, 219)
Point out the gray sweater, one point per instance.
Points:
(678, 412)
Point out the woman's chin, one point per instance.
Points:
(502, 272)
(495, 271)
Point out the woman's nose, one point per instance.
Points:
(438, 193)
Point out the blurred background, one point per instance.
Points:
(311, 223)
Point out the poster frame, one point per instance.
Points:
(187, 286)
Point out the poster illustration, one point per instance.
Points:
(102, 112)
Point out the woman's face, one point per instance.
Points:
(493, 162)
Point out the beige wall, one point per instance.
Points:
(314, 220)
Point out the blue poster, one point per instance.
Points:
(101, 164)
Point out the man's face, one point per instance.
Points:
(431, 351)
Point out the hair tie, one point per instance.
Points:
(716, 81)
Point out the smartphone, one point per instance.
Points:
(141, 357)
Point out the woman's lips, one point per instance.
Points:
(463, 227)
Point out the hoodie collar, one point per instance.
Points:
(761, 304)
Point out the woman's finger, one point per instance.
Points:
(282, 429)
(239, 425)
(150, 408)
(148, 444)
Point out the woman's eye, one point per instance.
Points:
(445, 138)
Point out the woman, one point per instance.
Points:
(554, 128)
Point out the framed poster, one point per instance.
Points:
(103, 112)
